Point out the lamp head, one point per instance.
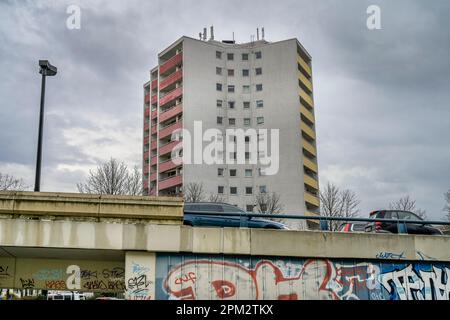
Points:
(46, 68)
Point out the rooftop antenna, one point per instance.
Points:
(212, 33)
(204, 34)
(262, 33)
(233, 35)
(257, 34)
(200, 35)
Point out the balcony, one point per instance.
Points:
(154, 84)
(170, 182)
(153, 176)
(146, 169)
(153, 160)
(310, 181)
(154, 99)
(308, 114)
(168, 165)
(307, 98)
(170, 129)
(305, 81)
(308, 130)
(304, 65)
(153, 145)
(310, 164)
(168, 147)
(171, 63)
(171, 96)
(146, 140)
(147, 112)
(146, 126)
(154, 129)
(147, 98)
(154, 114)
(146, 155)
(312, 199)
(174, 77)
(309, 147)
(170, 113)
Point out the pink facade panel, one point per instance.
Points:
(170, 182)
(170, 129)
(172, 112)
(171, 96)
(172, 62)
(174, 77)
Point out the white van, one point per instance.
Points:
(66, 295)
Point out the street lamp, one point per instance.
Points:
(46, 69)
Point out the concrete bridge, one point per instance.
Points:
(138, 245)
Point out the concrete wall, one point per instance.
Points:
(211, 277)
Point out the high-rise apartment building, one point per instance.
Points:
(258, 85)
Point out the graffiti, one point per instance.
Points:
(27, 283)
(409, 284)
(217, 277)
(116, 285)
(139, 269)
(50, 274)
(423, 256)
(4, 271)
(390, 255)
(88, 274)
(139, 285)
(114, 273)
(55, 284)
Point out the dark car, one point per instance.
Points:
(352, 227)
(392, 227)
(193, 216)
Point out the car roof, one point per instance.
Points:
(197, 203)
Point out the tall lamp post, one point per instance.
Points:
(46, 69)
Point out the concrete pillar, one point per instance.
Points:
(140, 273)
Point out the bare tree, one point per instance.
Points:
(8, 182)
(215, 197)
(447, 205)
(338, 203)
(406, 203)
(113, 177)
(268, 203)
(193, 192)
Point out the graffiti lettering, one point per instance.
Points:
(27, 283)
(88, 274)
(186, 278)
(118, 285)
(390, 255)
(50, 274)
(138, 286)
(4, 271)
(55, 284)
(114, 273)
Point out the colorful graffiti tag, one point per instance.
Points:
(224, 277)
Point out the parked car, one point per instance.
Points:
(193, 216)
(352, 227)
(392, 227)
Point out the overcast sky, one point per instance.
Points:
(382, 96)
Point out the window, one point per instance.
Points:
(231, 88)
(232, 138)
(232, 121)
(259, 87)
(220, 172)
(260, 120)
(259, 104)
(232, 172)
(258, 71)
(231, 104)
(248, 172)
(245, 56)
(261, 172)
(233, 155)
(245, 72)
(247, 138)
(246, 104)
(219, 103)
(218, 70)
(230, 72)
(219, 120)
(262, 189)
(248, 190)
(233, 190)
(230, 56)
(218, 86)
(249, 208)
(220, 189)
(247, 155)
(258, 55)
(218, 55)
(246, 89)
(246, 121)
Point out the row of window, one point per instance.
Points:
(248, 173)
(245, 104)
(245, 72)
(246, 121)
(244, 56)
(233, 156)
(234, 190)
(245, 88)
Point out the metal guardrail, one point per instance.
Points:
(324, 225)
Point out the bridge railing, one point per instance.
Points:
(323, 220)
